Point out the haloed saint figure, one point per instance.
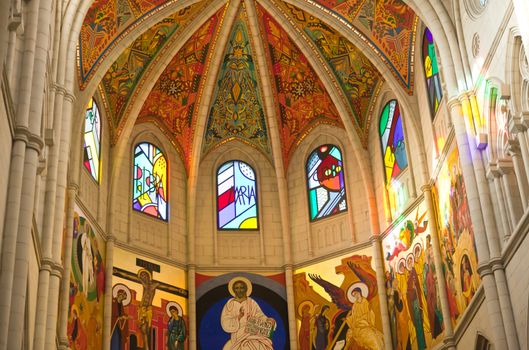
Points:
(176, 327)
(242, 317)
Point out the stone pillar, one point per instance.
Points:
(64, 303)
(517, 127)
(495, 174)
(506, 168)
(109, 267)
(466, 156)
(514, 151)
(381, 284)
(192, 306)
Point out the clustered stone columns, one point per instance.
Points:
(497, 297)
(17, 238)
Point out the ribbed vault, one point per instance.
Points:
(353, 45)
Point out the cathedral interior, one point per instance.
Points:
(264, 174)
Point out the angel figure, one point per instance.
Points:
(355, 322)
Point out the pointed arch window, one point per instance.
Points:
(431, 71)
(392, 141)
(326, 182)
(149, 184)
(237, 206)
(92, 140)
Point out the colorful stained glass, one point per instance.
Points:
(236, 197)
(149, 185)
(392, 141)
(92, 140)
(326, 182)
(431, 71)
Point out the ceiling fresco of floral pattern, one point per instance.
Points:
(357, 76)
(389, 26)
(237, 111)
(172, 101)
(302, 100)
(235, 102)
(120, 80)
(105, 23)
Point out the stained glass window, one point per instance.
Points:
(326, 182)
(392, 141)
(150, 181)
(92, 139)
(431, 70)
(236, 197)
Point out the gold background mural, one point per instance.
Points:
(337, 304)
(411, 283)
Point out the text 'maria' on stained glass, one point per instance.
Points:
(236, 197)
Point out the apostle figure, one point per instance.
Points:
(244, 320)
(176, 328)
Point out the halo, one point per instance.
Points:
(363, 290)
(178, 308)
(121, 286)
(401, 266)
(417, 250)
(148, 273)
(412, 259)
(243, 279)
(302, 305)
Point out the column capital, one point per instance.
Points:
(484, 269)
(519, 122)
(33, 141)
(426, 187)
(513, 147)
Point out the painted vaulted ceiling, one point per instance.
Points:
(312, 69)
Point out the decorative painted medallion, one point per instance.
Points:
(301, 98)
(171, 103)
(121, 79)
(388, 26)
(357, 76)
(237, 108)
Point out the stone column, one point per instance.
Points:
(488, 246)
(438, 263)
(495, 174)
(466, 154)
(517, 126)
(381, 284)
(514, 151)
(192, 306)
(107, 318)
(64, 302)
(506, 168)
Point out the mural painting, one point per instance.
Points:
(87, 284)
(456, 236)
(149, 304)
(411, 283)
(337, 304)
(241, 311)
